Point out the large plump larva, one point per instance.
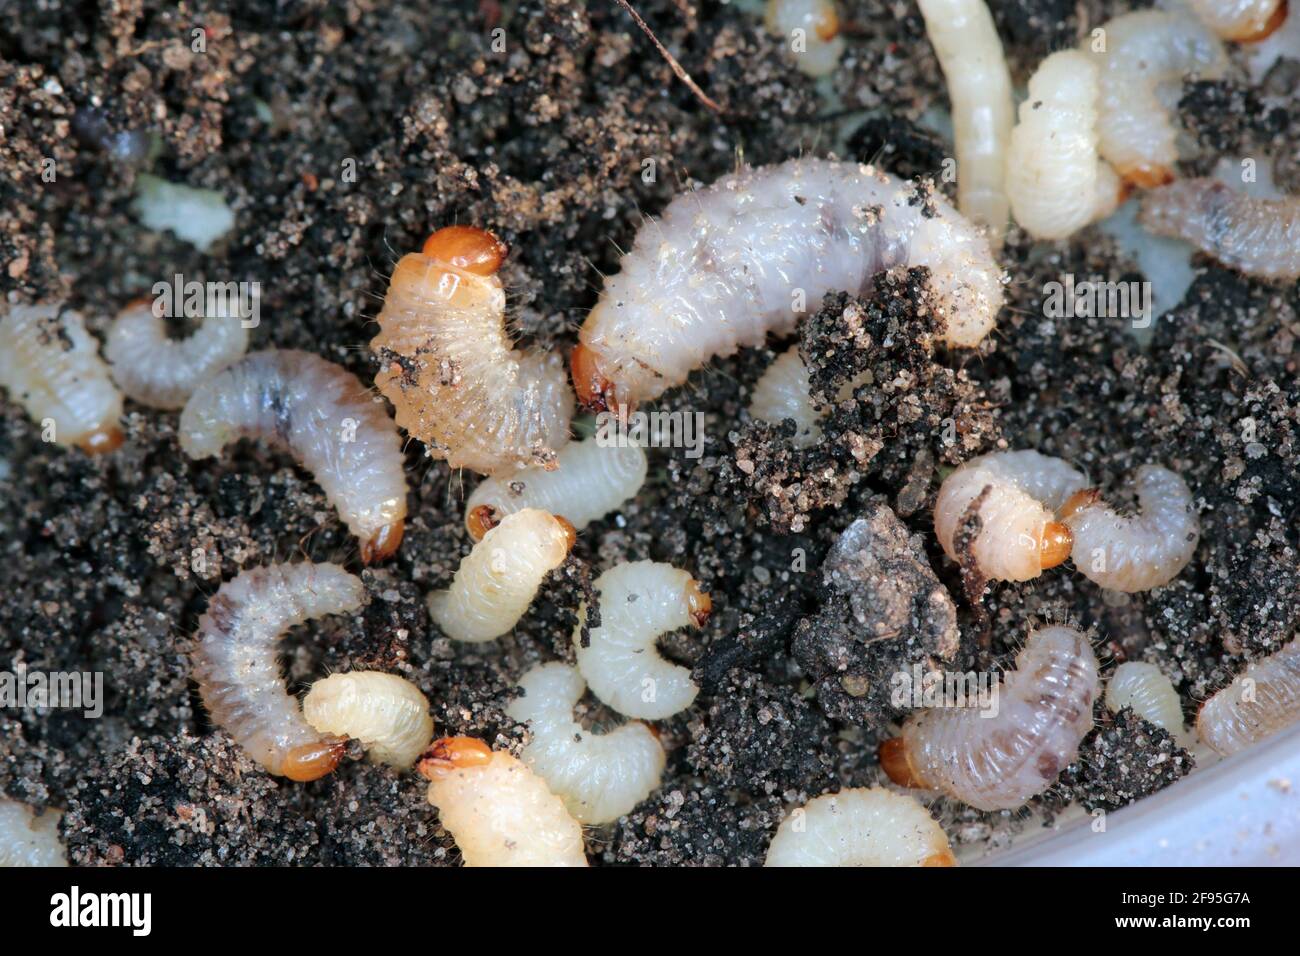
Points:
(599, 777)
(639, 601)
(327, 419)
(387, 713)
(50, 365)
(1261, 701)
(1000, 762)
(729, 264)
(1144, 689)
(1242, 21)
(448, 365)
(860, 827)
(499, 812)
(27, 839)
(237, 668)
(782, 393)
(498, 579)
(819, 45)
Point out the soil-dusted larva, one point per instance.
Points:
(1056, 181)
(1262, 700)
(448, 365)
(161, 372)
(499, 812)
(860, 827)
(819, 46)
(237, 666)
(27, 839)
(1144, 689)
(51, 366)
(1260, 237)
(728, 264)
(387, 713)
(497, 580)
(999, 762)
(327, 419)
(639, 601)
(1242, 21)
(782, 392)
(589, 481)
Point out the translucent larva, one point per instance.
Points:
(589, 480)
(860, 827)
(729, 264)
(1262, 700)
(160, 372)
(782, 393)
(498, 578)
(599, 777)
(50, 365)
(499, 812)
(811, 29)
(27, 839)
(639, 601)
(1144, 689)
(1242, 21)
(387, 713)
(448, 366)
(237, 667)
(999, 762)
(327, 419)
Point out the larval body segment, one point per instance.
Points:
(387, 713)
(860, 827)
(27, 839)
(1262, 700)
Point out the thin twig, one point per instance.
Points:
(672, 61)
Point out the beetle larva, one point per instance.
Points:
(387, 713)
(27, 839)
(1261, 701)
(782, 392)
(821, 45)
(1144, 689)
(865, 826)
(1242, 21)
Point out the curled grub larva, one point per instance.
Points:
(999, 762)
(1242, 21)
(27, 839)
(728, 264)
(238, 670)
(1262, 700)
(50, 365)
(499, 812)
(160, 372)
(328, 421)
(497, 580)
(599, 777)
(860, 827)
(782, 393)
(638, 602)
(589, 481)
(1144, 689)
(448, 366)
(387, 713)
(817, 45)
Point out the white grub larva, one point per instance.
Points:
(589, 481)
(999, 762)
(1056, 181)
(27, 839)
(599, 777)
(861, 827)
(729, 264)
(448, 365)
(639, 601)
(499, 812)
(1261, 701)
(817, 45)
(50, 365)
(327, 419)
(237, 667)
(161, 372)
(498, 578)
(1145, 690)
(1242, 21)
(387, 713)
(782, 393)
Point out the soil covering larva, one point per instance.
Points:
(27, 839)
(860, 827)
(327, 419)
(1144, 689)
(599, 777)
(387, 713)
(820, 44)
(1242, 21)
(1261, 701)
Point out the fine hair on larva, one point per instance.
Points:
(1144, 689)
(236, 662)
(28, 839)
(729, 264)
(50, 365)
(782, 392)
(810, 30)
(589, 481)
(1262, 700)
(497, 580)
(1241, 21)
(387, 713)
(1000, 762)
(863, 826)
(599, 777)
(450, 369)
(499, 812)
(327, 420)
(639, 602)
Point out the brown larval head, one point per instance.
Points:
(1054, 545)
(1270, 26)
(315, 760)
(466, 247)
(480, 520)
(699, 602)
(384, 543)
(1147, 175)
(452, 753)
(594, 390)
(897, 766)
(102, 441)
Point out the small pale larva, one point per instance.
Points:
(782, 393)
(999, 762)
(1144, 689)
(1242, 21)
(860, 827)
(448, 365)
(327, 419)
(639, 601)
(387, 713)
(499, 812)
(237, 667)
(50, 365)
(810, 29)
(27, 839)
(498, 579)
(1261, 701)
(589, 481)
